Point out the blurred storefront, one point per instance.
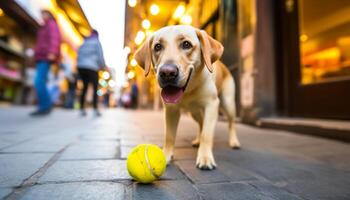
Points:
(295, 59)
(20, 20)
(17, 35)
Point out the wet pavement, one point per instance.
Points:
(65, 156)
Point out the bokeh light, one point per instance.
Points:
(154, 9)
(146, 24)
(132, 3)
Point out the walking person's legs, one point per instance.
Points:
(43, 96)
(85, 78)
(94, 80)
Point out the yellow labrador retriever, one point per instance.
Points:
(187, 67)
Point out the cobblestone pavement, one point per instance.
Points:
(64, 156)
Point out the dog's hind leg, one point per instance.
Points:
(198, 117)
(227, 101)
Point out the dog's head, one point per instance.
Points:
(176, 52)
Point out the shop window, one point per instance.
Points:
(11, 57)
(324, 40)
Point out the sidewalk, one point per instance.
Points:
(64, 156)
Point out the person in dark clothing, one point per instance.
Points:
(47, 53)
(90, 61)
(134, 95)
(88, 76)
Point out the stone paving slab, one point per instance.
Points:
(199, 176)
(91, 150)
(102, 170)
(225, 172)
(89, 153)
(308, 180)
(12, 137)
(172, 173)
(100, 137)
(77, 191)
(242, 191)
(161, 190)
(4, 192)
(15, 168)
(273, 191)
(86, 170)
(45, 144)
(188, 153)
(125, 150)
(327, 186)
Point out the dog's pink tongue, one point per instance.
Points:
(171, 94)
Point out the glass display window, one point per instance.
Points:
(324, 40)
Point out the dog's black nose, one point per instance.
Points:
(168, 72)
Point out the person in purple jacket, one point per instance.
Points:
(47, 52)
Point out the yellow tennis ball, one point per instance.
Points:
(146, 163)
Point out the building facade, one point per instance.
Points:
(297, 63)
(19, 22)
(290, 58)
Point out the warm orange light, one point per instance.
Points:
(180, 10)
(105, 75)
(132, 3)
(328, 58)
(186, 20)
(154, 9)
(68, 28)
(84, 31)
(303, 38)
(126, 84)
(131, 75)
(74, 16)
(140, 36)
(330, 53)
(146, 24)
(111, 83)
(127, 49)
(133, 62)
(1, 12)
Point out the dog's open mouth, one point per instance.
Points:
(172, 94)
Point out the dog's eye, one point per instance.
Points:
(158, 47)
(186, 45)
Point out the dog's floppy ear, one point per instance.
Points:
(143, 55)
(211, 48)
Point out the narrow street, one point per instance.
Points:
(64, 156)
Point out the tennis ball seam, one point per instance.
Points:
(148, 163)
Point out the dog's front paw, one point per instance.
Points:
(205, 161)
(168, 156)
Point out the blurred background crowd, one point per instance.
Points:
(289, 57)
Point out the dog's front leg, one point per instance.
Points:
(172, 116)
(205, 158)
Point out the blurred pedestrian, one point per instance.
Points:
(134, 95)
(71, 81)
(47, 53)
(90, 61)
(125, 100)
(70, 94)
